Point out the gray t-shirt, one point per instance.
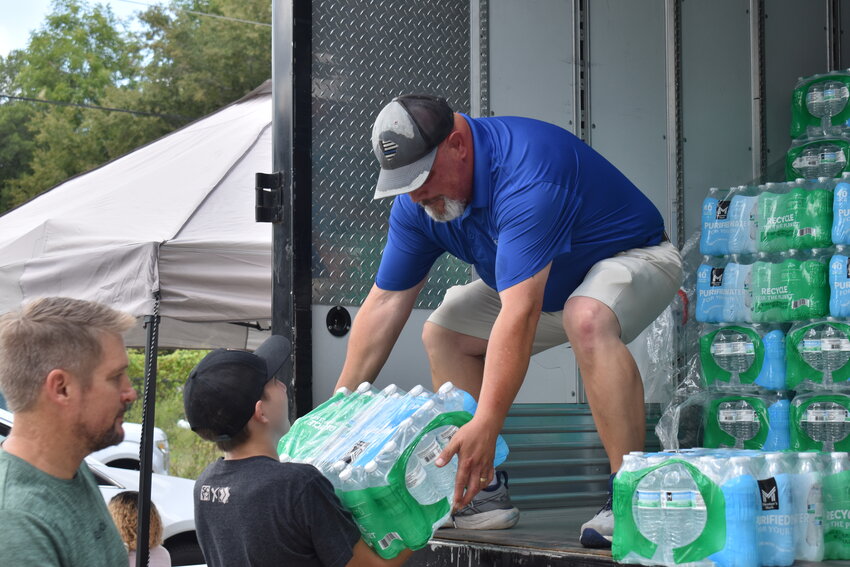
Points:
(258, 511)
(47, 521)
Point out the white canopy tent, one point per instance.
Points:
(173, 219)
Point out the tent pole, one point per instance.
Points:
(146, 448)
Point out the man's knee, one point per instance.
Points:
(439, 339)
(588, 321)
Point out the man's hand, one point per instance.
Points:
(475, 446)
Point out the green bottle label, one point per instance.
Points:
(836, 503)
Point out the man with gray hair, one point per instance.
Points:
(63, 371)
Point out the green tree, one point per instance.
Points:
(190, 58)
(198, 63)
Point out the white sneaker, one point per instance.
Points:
(599, 531)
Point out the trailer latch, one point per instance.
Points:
(269, 197)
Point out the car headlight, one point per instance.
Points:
(162, 445)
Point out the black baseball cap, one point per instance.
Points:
(405, 137)
(222, 390)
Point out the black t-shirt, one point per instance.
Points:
(258, 512)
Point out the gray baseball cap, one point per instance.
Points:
(405, 137)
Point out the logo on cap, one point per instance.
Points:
(389, 148)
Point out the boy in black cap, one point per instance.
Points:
(250, 509)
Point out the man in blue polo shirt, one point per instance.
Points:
(567, 249)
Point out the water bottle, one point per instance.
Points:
(450, 397)
(734, 352)
(833, 100)
(737, 297)
(647, 509)
(814, 422)
(710, 293)
(816, 216)
(441, 478)
(683, 508)
(743, 212)
(775, 527)
(779, 426)
(418, 483)
(815, 102)
(841, 212)
(772, 374)
(839, 284)
(836, 501)
(739, 419)
(740, 491)
(714, 238)
(808, 498)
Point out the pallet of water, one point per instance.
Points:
(378, 448)
(731, 508)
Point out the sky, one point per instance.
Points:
(20, 17)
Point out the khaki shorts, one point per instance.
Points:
(637, 285)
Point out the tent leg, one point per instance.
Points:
(146, 449)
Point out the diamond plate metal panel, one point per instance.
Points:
(364, 53)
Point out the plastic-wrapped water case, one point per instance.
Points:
(748, 421)
(821, 156)
(795, 215)
(820, 422)
(819, 104)
(817, 355)
(724, 292)
(790, 287)
(697, 509)
(743, 356)
(378, 448)
(729, 221)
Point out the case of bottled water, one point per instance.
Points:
(818, 156)
(748, 421)
(734, 357)
(696, 508)
(378, 448)
(818, 355)
(820, 421)
(729, 221)
(819, 104)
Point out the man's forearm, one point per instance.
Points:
(506, 364)
(375, 330)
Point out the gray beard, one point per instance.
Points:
(452, 209)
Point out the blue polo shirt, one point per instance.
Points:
(539, 195)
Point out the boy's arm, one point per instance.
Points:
(364, 556)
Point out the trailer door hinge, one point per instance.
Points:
(269, 197)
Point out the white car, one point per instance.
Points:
(172, 496)
(125, 455)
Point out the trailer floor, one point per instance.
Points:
(541, 538)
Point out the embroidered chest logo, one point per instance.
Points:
(220, 494)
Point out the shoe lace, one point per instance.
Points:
(607, 507)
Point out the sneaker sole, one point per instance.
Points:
(492, 520)
(592, 539)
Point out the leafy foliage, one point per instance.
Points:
(178, 63)
(189, 453)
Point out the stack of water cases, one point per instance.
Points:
(731, 508)
(819, 127)
(378, 448)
